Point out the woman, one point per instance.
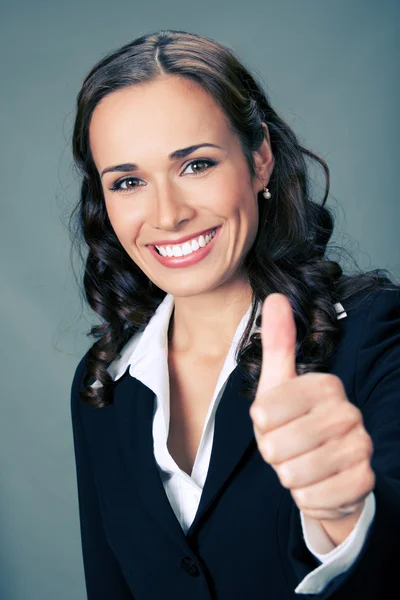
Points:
(216, 458)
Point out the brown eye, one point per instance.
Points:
(208, 163)
(118, 185)
(130, 180)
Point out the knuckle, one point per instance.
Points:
(337, 420)
(365, 443)
(372, 480)
(369, 446)
(364, 479)
(331, 384)
(257, 436)
(354, 455)
(267, 449)
(255, 409)
(299, 496)
(350, 418)
(356, 452)
(286, 476)
(354, 413)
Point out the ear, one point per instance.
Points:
(264, 161)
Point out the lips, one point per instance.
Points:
(187, 260)
(184, 238)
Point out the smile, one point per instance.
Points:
(188, 253)
(187, 247)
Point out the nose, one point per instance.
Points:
(170, 207)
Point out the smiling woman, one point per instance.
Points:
(167, 195)
(196, 208)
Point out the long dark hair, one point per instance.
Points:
(288, 254)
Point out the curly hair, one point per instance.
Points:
(288, 254)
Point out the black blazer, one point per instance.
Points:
(246, 540)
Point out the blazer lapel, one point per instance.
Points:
(232, 436)
(135, 426)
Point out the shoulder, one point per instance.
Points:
(79, 373)
(364, 299)
(373, 307)
(77, 382)
(369, 342)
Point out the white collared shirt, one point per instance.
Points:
(146, 354)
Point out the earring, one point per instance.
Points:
(266, 193)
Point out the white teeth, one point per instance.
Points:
(186, 247)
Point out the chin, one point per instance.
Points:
(187, 289)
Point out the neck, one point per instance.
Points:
(206, 323)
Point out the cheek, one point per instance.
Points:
(230, 198)
(125, 223)
(234, 199)
(248, 216)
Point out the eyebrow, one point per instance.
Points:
(182, 153)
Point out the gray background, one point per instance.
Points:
(331, 70)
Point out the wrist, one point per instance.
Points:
(339, 529)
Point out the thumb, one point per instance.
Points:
(278, 337)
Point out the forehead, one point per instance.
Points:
(164, 115)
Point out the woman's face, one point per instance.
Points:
(161, 198)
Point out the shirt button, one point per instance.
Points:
(190, 566)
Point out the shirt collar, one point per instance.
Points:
(148, 348)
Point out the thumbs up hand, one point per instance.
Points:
(307, 429)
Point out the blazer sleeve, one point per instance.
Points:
(373, 575)
(104, 579)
